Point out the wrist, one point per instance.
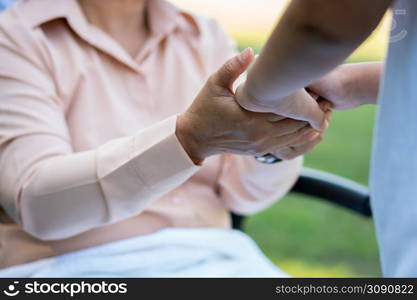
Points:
(186, 135)
(353, 87)
(248, 101)
(342, 82)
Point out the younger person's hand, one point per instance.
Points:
(299, 105)
(350, 85)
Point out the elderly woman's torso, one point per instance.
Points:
(88, 148)
(105, 94)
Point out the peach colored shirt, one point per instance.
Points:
(88, 152)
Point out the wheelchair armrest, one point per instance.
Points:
(332, 188)
(335, 189)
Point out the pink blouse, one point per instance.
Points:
(88, 152)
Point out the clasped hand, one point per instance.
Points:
(216, 124)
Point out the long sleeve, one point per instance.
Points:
(248, 186)
(54, 192)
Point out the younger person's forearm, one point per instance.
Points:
(303, 48)
(361, 81)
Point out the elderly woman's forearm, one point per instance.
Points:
(65, 195)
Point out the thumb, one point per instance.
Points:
(233, 68)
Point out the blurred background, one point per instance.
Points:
(305, 237)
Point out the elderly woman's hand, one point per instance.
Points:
(216, 124)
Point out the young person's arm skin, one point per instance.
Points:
(350, 85)
(312, 38)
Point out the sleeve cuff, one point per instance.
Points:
(164, 163)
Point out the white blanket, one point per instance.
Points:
(173, 252)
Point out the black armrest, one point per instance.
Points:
(335, 189)
(329, 187)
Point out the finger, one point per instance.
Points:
(275, 118)
(285, 153)
(286, 126)
(285, 140)
(232, 69)
(306, 138)
(294, 151)
(270, 117)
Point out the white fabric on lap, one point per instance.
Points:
(201, 252)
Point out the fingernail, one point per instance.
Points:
(245, 55)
